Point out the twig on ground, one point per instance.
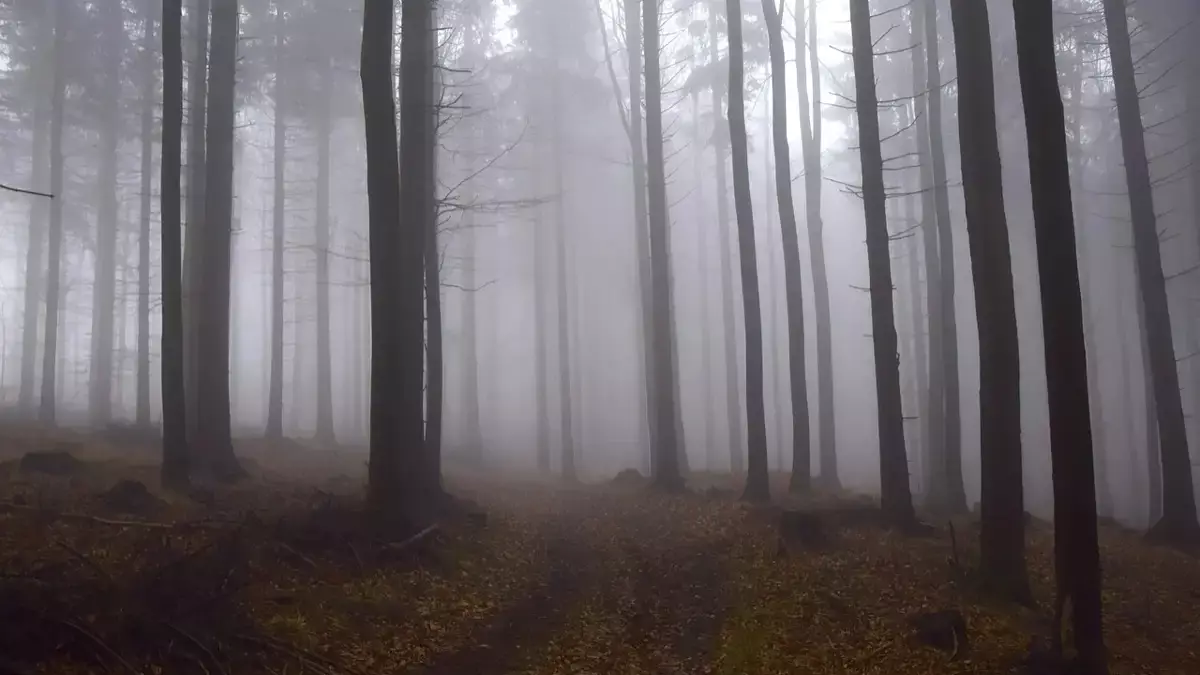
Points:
(415, 539)
(83, 517)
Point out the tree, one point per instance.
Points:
(893, 462)
(666, 450)
(1002, 510)
(46, 411)
(143, 337)
(1178, 524)
(1077, 555)
(325, 430)
(427, 144)
(214, 443)
(175, 454)
(197, 98)
(757, 486)
(793, 278)
(274, 428)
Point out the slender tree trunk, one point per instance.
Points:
(935, 448)
(810, 136)
(1077, 551)
(734, 422)
(39, 211)
(175, 454)
(435, 374)
(793, 275)
(470, 357)
(325, 427)
(771, 361)
(917, 317)
(1178, 524)
(197, 97)
(702, 259)
(1154, 467)
(954, 499)
(893, 463)
(541, 366)
(274, 428)
(757, 485)
(667, 474)
(46, 411)
(1002, 508)
(213, 433)
(143, 345)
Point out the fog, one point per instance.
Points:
(507, 177)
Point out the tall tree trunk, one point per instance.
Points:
(541, 365)
(143, 344)
(38, 212)
(46, 411)
(435, 375)
(893, 462)
(197, 97)
(645, 318)
(702, 259)
(667, 475)
(1002, 508)
(917, 316)
(771, 361)
(274, 428)
(934, 403)
(100, 370)
(175, 454)
(561, 286)
(734, 422)
(1178, 524)
(955, 498)
(1154, 467)
(810, 136)
(793, 276)
(325, 428)
(1077, 553)
(757, 485)
(213, 432)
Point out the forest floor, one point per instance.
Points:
(276, 575)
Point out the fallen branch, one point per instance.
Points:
(415, 539)
(23, 191)
(6, 507)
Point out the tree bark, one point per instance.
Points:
(175, 454)
(757, 485)
(810, 135)
(213, 432)
(734, 421)
(435, 374)
(325, 427)
(38, 213)
(917, 325)
(143, 345)
(274, 428)
(793, 275)
(666, 443)
(46, 411)
(1178, 524)
(893, 463)
(702, 261)
(1077, 553)
(197, 97)
(1002, 508)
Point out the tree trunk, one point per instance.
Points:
(733, 412)
(893, 463)
(1178, 524)
(470, 357)
(1077, 553)
(143, 345)
(541, 365)
(1002, 508)
(274, 428)
(955, 499)
(46, 411)
(175, 455)
(667, 475)
(325, 428)
(793, 276)
(757, 484)
(197, 97)
(917, 316)
(38, 212)
(934, 403)
(435, 374)
(213, 433)
(1154, 467)
(702, 259)
(810, 136)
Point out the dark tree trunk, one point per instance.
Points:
(100, 371)
(810, 135)
(666, 442)
(955, 498)
(143, 343)
(734, 422)
(1154, 467)
(541, 366)
(197, 100)
(1002, 508)
(213, 433)
(275, 396)
(1178, 524)
(757, 486)
(917, 324)
(435, 374)
(893, 462)
(702, 262)
(325, 427)
(1077, 552)
(46, 411)
(39, 211)
(793, 276)
(935, 395)
(175, 455)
